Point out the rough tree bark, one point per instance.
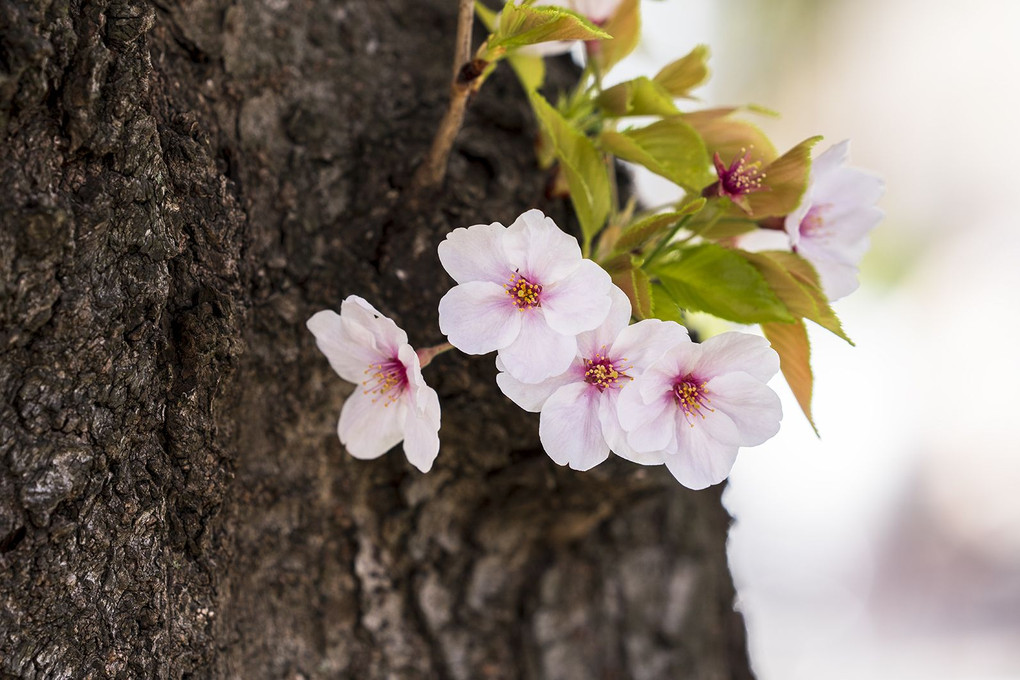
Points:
(181, 186)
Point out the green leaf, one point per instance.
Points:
(729, 136)
(521, 25)
(669, 147)
(582, 164)
(686, 73)
(625, 27)
(664, 306)
(713, 279)
(786, 179)
(642, 292)
(530, 69)
(641, 232)
(790, 340)
(638, 97)
(796, 283)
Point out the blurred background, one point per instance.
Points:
(889, 547)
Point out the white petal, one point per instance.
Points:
(476, 254)
(569, 427)
(543, 252)
(616, 436)
(578, 302)
(478, 317)
(388, 336)
(848, 186)
(706, 464)
(735, 351)
(367, 428)
(590, 342)
(421, 431)
(655, 434)
(837, 276)
(531, 397)
(349, 358)
(631, 406)
(539, 352)
(643, 343)
(752, 406)
(831, 159)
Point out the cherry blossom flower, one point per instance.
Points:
(830, 226)
(579, 424)
(392, 401)
(741, 178)
(698, 403)
(523, 290)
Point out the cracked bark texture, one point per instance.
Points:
(181, 186)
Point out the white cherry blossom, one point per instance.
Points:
(699, 403)
(391, 402)
(523, 290)
(830, 226)
(579, 423)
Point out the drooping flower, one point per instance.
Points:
(830, 226)
(391, 401)
(579, 423)
(523, 290)
(699, 403)
(742, 177)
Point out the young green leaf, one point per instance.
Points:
(664, 306)
(713, 279)
(790, 340)
(796, 283)
(642, 292)
(521, 25)
(530, 69)
(786, 179)
(582, 164)
(669, 147)
(686, 73)
(641, 232)
(625, 27)
(729, 136)
(638, 97)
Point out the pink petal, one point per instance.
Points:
(539, 352)
(421, 431)
(752, 406)
(543, 252)
(616, 436)
(368, 428)
(837, 276)
(706, 463)
(643, 343)
(735, 351)
(569, 427)
(478, 317)
(590, 342)
(348, 357)
(388, 336)
(531, 397)
(578, 302)
(633, 409)
(476, 254)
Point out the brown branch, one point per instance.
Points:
(431, 172)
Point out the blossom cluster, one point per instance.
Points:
(565, 348)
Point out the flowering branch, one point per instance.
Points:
(430, 173)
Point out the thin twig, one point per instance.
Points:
(431, 172)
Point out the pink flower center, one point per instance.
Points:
(741, 178)
(691, 396)
(523, 293)
(603, 372)
(386, 380)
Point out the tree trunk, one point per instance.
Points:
(182, 186)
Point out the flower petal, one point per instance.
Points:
(368, 428)
(570, 429)
(421, 431)
(348, 357)
(590, 342)
(616, 436)
(476, 254)
(531, 397)
(752, 406)
(541, 251)
(578, 302)
(644, 342)
(539, 352)
(704, 464)
(478, 317)
(387, 334)
(735, 351)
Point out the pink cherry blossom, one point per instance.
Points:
(391, 402)
(579, 423)
(830, 226)
(699, 403)
(523, 290)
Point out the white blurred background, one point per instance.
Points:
(890, 547)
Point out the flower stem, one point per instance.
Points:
(425, 356)
(431, 172)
